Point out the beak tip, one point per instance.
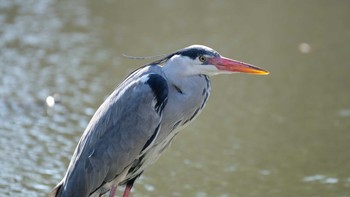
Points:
(266, 72)
(260, 71)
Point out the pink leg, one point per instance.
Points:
(127, 190)
(112, 191)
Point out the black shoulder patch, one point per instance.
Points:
(159, 87)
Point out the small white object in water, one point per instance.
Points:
(265, 172)
(321, 178)
(316, 177)
(50, 101)
(331, 180)
(344, 112)
(304, 47)
(149, 187)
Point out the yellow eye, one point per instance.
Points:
(202, 58)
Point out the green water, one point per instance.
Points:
(285, 134)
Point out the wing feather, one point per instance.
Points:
(124, 125)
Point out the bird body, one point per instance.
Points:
(137, 122)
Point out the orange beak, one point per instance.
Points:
(226, 64)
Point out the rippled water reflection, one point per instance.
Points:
(40, 57)
(281, 135)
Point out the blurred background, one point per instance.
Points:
(285, 134)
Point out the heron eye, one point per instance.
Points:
(202, 58)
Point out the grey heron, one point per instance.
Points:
(136, 123)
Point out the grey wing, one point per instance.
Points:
(125, 124)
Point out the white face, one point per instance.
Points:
(186, 66)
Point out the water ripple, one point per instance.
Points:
(41, 56)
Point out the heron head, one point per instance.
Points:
(199, 59)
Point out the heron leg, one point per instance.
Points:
(127, 191)
(112, 191)
(128, 187)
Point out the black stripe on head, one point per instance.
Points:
(194, 51)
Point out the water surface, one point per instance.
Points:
(285, 134)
